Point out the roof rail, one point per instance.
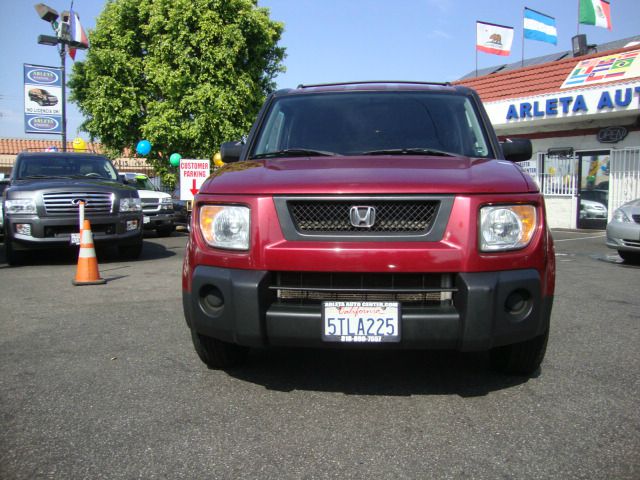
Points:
(366, 82)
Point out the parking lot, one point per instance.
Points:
(102, 382)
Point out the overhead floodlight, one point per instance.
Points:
(48, 40)
(46, 13)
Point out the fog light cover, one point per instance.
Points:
(506, 227)
(132, 225)
(23, 229)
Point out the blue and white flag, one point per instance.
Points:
(538, 26)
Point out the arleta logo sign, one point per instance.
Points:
(573, 104)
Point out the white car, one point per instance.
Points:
(623, 231)
(592, 209)
(157, 206)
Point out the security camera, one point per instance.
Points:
(46, 13)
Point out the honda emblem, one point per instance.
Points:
(362, 217)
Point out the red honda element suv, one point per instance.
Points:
(371, 215)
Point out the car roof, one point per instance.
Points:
(60, 154)
(374, 85)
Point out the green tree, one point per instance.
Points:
(184, 74)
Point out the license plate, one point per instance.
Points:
(361, 322)
(146, 219)
(75, 239)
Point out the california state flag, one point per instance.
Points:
(495, 39)
(595, 12)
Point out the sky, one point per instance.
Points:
(330, 41)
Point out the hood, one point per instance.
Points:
(67, 184)
(152, 194)
(369, 175)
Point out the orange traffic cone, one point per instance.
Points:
(87, 272)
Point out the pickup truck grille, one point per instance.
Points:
(407, 288)
(150, 205)
(337, 216)
(66, 203)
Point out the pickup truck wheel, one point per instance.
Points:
(165, 231)
(13, 257)
(522, 358)
(130, 252)
(216, 353)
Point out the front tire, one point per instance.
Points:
(13, 257)
(217, 354)
(522, 358)
(130, 252)
(165, 231)
(629, 257)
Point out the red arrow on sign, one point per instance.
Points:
(194, 190)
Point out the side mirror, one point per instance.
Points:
(231, 151)
(517, 149)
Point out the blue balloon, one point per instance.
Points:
(144, 147)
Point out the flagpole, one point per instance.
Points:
(522, 62)
(578, 17)
(476, 60)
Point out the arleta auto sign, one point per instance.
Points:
(618, 98)
(570, 104)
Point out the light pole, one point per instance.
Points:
(62, 40)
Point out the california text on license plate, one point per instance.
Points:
(361, 322)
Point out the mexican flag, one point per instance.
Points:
(595, 12)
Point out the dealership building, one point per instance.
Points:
(581, 110)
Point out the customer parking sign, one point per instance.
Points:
(193, 173)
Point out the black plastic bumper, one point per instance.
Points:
(49, 232)
(489, 309)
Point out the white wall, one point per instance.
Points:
(561, 211)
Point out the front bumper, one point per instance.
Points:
(623, 236)
(56, 232)
(476, 319)
(155, 220)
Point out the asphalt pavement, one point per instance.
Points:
(101, 382)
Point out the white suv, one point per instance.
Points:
(157, 206)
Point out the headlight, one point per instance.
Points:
(225, 226)
(506, 227)
(130, 205)
(21, 205)
(166, 203)
(620, 216)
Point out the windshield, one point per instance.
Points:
(142, 183)
(372, 123)
(70, 166)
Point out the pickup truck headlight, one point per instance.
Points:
(225, 226)
(130, 205)
(21, 205)
(506, 227)
(166, 203)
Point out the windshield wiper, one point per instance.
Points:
(410, 151)
(296, 152)
(28, 177)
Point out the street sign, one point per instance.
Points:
(42, 99)
(193, 173)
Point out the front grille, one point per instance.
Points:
(406, 288)
(391, 216)
(150, 205)
(66, 203)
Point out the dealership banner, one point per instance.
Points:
(42, 99)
